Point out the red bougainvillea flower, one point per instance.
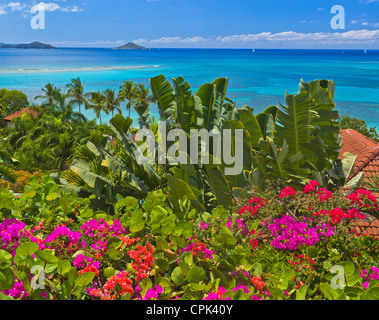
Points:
(337, 214)
(254, 205)
(90, 269)
(199, 249)
(118, 284)
(287, 192)
(254, 243)
(143, 260)
(301, 262)
(127, 242)
(258, 283)
(364, 199)
(311, 186)
(324, 194)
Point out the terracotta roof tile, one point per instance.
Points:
(366, 150)
(20, 112)
(368, 226)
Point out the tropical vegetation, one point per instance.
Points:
(90, 221)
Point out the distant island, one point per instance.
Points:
(130, 46)
(33, 45)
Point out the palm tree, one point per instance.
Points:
(76, 92)
(143, 93)
(50, 93)
(65, 109)
(97, 103)
(111, 101)
(128, 91)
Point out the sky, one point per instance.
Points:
(194, 23)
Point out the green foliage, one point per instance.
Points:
(12, 101)
(359, 125)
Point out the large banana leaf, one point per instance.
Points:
(164, 94)
(219, 184)
(251, 125)
(120, 126)
(212, 97)
(117, 167)
(180, 189)
(294, 124)
(143, 111)
(270, 161)
(327, 123)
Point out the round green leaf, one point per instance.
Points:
(178, 277)
(27, 249)
(5, 259)
(6, 279)
(196, 275)
(84, 279)
(46, 257)
(109, 272)
(52, 196)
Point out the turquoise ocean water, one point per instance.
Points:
(258, 78)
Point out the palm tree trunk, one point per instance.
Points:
(79, 107)
(129, 107)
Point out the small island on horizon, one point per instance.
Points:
(130, 46)
(32, 45)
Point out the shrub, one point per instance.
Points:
(285, 247)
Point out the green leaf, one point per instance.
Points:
(6, 279)
(372, 294)
(109, 272)
(329, 292)
(177, 276)
(301, 292)
(196, 275)
(27, 249)
(226, 240)
(29, 193)
(52, 196)
(84, 279)
(161, 244)
(5, 259)
(64, 266)
(46, 257)
(113, 242)
(162, 263)
(113, 253)
(136, 222)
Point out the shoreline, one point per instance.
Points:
(82, 69)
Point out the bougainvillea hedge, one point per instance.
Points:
(283, 245)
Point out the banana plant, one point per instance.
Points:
(207, 109)
(110, 171)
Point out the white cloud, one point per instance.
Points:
(363, 34)
(2, 9)
(176, 39)
(16, 6)
(43, 6)
(72, 9)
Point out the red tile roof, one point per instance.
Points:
(368, 226)
(367, 152)
(19, 114)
